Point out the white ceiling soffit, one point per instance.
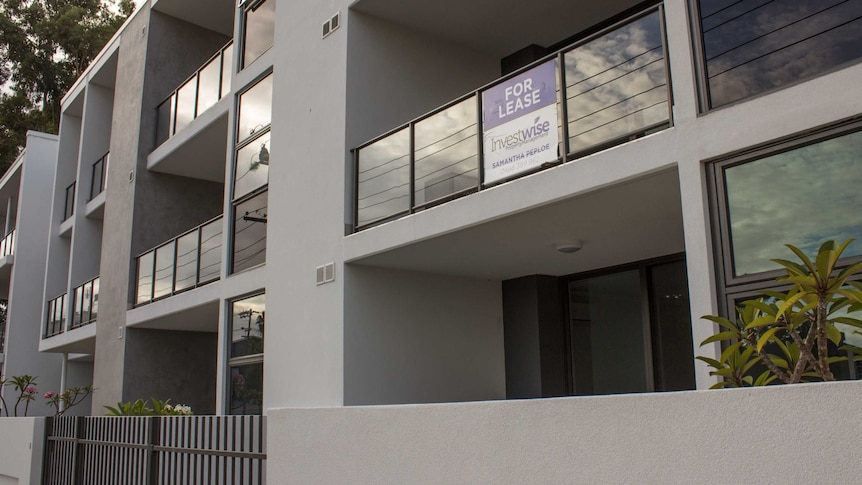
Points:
(498, 27)
(215, 15)
(627, 222)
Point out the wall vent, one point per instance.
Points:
(325, 273)
(331, 24)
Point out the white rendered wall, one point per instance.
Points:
(21, 443)
(417, 337)
(24, 317)
(730, 436)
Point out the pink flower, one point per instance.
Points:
(49, 394)
(30, 390)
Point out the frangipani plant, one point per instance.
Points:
(796, 325)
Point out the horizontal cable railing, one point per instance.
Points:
(98, 180)
(7, 245)
(198, 93)
(155, 450)
(85, 303)
(56, 321)
(187, 261)
(586, 97)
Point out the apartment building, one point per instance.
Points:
(467, 202)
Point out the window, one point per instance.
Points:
(258, 29)
(801, 196)
(249, 232)
(251, 176)
(753, 46)
(246, 355)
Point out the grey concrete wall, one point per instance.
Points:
(721, 437)
(180, 366)
(119, 205)
(417, 337)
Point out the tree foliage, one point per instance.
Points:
(786, 336)
(44, 46)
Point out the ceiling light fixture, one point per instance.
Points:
(569, 246)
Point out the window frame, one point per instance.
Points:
(232, 362)
(247, 6)
(729, 286)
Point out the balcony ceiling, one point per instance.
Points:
(216, 15)
(496, 27)
(625, 223)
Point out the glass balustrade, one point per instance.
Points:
(197, 94)
(56, 320)
(187, 261)
(611, 95)
(98, 180)
(69, 203)
(85, 303)
(7, 245)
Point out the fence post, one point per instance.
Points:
(77, 462)
(152, 460)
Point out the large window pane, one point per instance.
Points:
(246, 389)
(210, 257)
(384, 178)
(247, 326)
(614, 92)
(447, 154)
(86, 299)
(164, 278)
(186, 104)
(145, 278)
(252, 166)
(94, 308)
(249, 237)
(259, 30)
(752, 46)
(76, 306)
(208, 85)
(802, 197)
(255, 109)
(187, 261)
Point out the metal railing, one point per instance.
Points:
(85, 303)
(98, 180)
(56, 321)
(155, 450)
(185, 262)
(198, 93)
(612, 95)
(69, 204)
(7, 245)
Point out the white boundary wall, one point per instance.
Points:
(21, 442)
(765, 435)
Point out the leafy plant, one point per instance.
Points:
(798, 324)
(142, 408)
(67, 399)
(25, 386)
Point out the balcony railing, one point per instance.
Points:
(98, 181)
(69, 204)
(85, 303)
(185, 262)
(197, 94)
(7, 245)
(616, 88)
(56, 321)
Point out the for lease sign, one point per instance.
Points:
(520, 123)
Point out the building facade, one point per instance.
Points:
(469, 202)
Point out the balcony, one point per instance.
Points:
(98, 182)
(188, 261)
(511, 127)
(197, 94)
(56, 323)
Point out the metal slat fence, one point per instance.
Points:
(155, 450)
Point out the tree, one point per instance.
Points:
(798, 325)
(44, 46)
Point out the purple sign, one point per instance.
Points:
(520, 95)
